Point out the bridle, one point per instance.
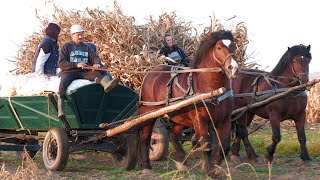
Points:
(222, 63)
(298, 76)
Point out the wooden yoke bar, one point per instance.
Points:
(162, 111)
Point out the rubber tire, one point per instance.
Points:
(159, 144)
(55, 149)
(125, 156)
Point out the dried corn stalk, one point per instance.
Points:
(313, 107)
(123, 46)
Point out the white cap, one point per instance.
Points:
(76, 28)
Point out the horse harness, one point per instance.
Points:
(187, 93)
(262, 95)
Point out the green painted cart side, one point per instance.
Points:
(86, 108)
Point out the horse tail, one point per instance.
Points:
(234, 126)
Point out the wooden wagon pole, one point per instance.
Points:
(127, 125)
(277, 96)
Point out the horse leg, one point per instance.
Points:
(276, 137)
(235, 147)
(205, 145)
(300, 123)
(144, 145)
(219, 151)
(251, 153)
(178, 154)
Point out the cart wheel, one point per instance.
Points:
(24, 154)
(159, 144)
(125, 156)
(55, 149)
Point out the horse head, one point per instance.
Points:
(223, 53)
(300, 62)
(218, 50)
(294, 64)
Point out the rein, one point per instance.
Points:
(223, 62)
(269, 78)
(187, 70)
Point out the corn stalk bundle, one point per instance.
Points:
(313, 107)
(123, 46)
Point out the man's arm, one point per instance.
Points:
(94, 58)
(45, 51)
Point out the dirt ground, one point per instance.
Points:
(97, 165)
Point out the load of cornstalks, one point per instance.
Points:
(313, 107)
(127, 49)
(123, 46)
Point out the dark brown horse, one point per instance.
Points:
(291, 70)
(216, 51)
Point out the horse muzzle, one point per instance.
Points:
(232, 69)
(303, 78)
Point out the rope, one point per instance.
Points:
(31, 109)
(15, 113)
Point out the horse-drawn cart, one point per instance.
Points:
(25, 119)
(29, 124)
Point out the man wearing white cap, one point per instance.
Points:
(73, 56)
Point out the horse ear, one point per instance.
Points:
(309, 47)
(288, 48)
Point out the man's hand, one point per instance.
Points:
(81, 65)
(96, 65)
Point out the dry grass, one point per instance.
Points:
(28, 170)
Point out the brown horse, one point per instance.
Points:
(291, 70)
(216, 51)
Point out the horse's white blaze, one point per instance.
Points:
(226, 42)
(234, 67)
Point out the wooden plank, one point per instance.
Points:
(162, 111)
(277, 96)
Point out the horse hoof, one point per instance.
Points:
(146, 171)
(258, 160)
(202, 165)
(235, 158)
(217, 173)
(308, 163)
(267, 161)
(181, 167)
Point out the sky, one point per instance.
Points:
(272, 25)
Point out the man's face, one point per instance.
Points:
(169, 41)
(77, 37)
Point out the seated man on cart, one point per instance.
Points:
(74, 56)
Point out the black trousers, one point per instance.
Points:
(67, 78)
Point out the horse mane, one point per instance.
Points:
(288, 56)
(209, 42)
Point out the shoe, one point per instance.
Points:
(108, 84)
